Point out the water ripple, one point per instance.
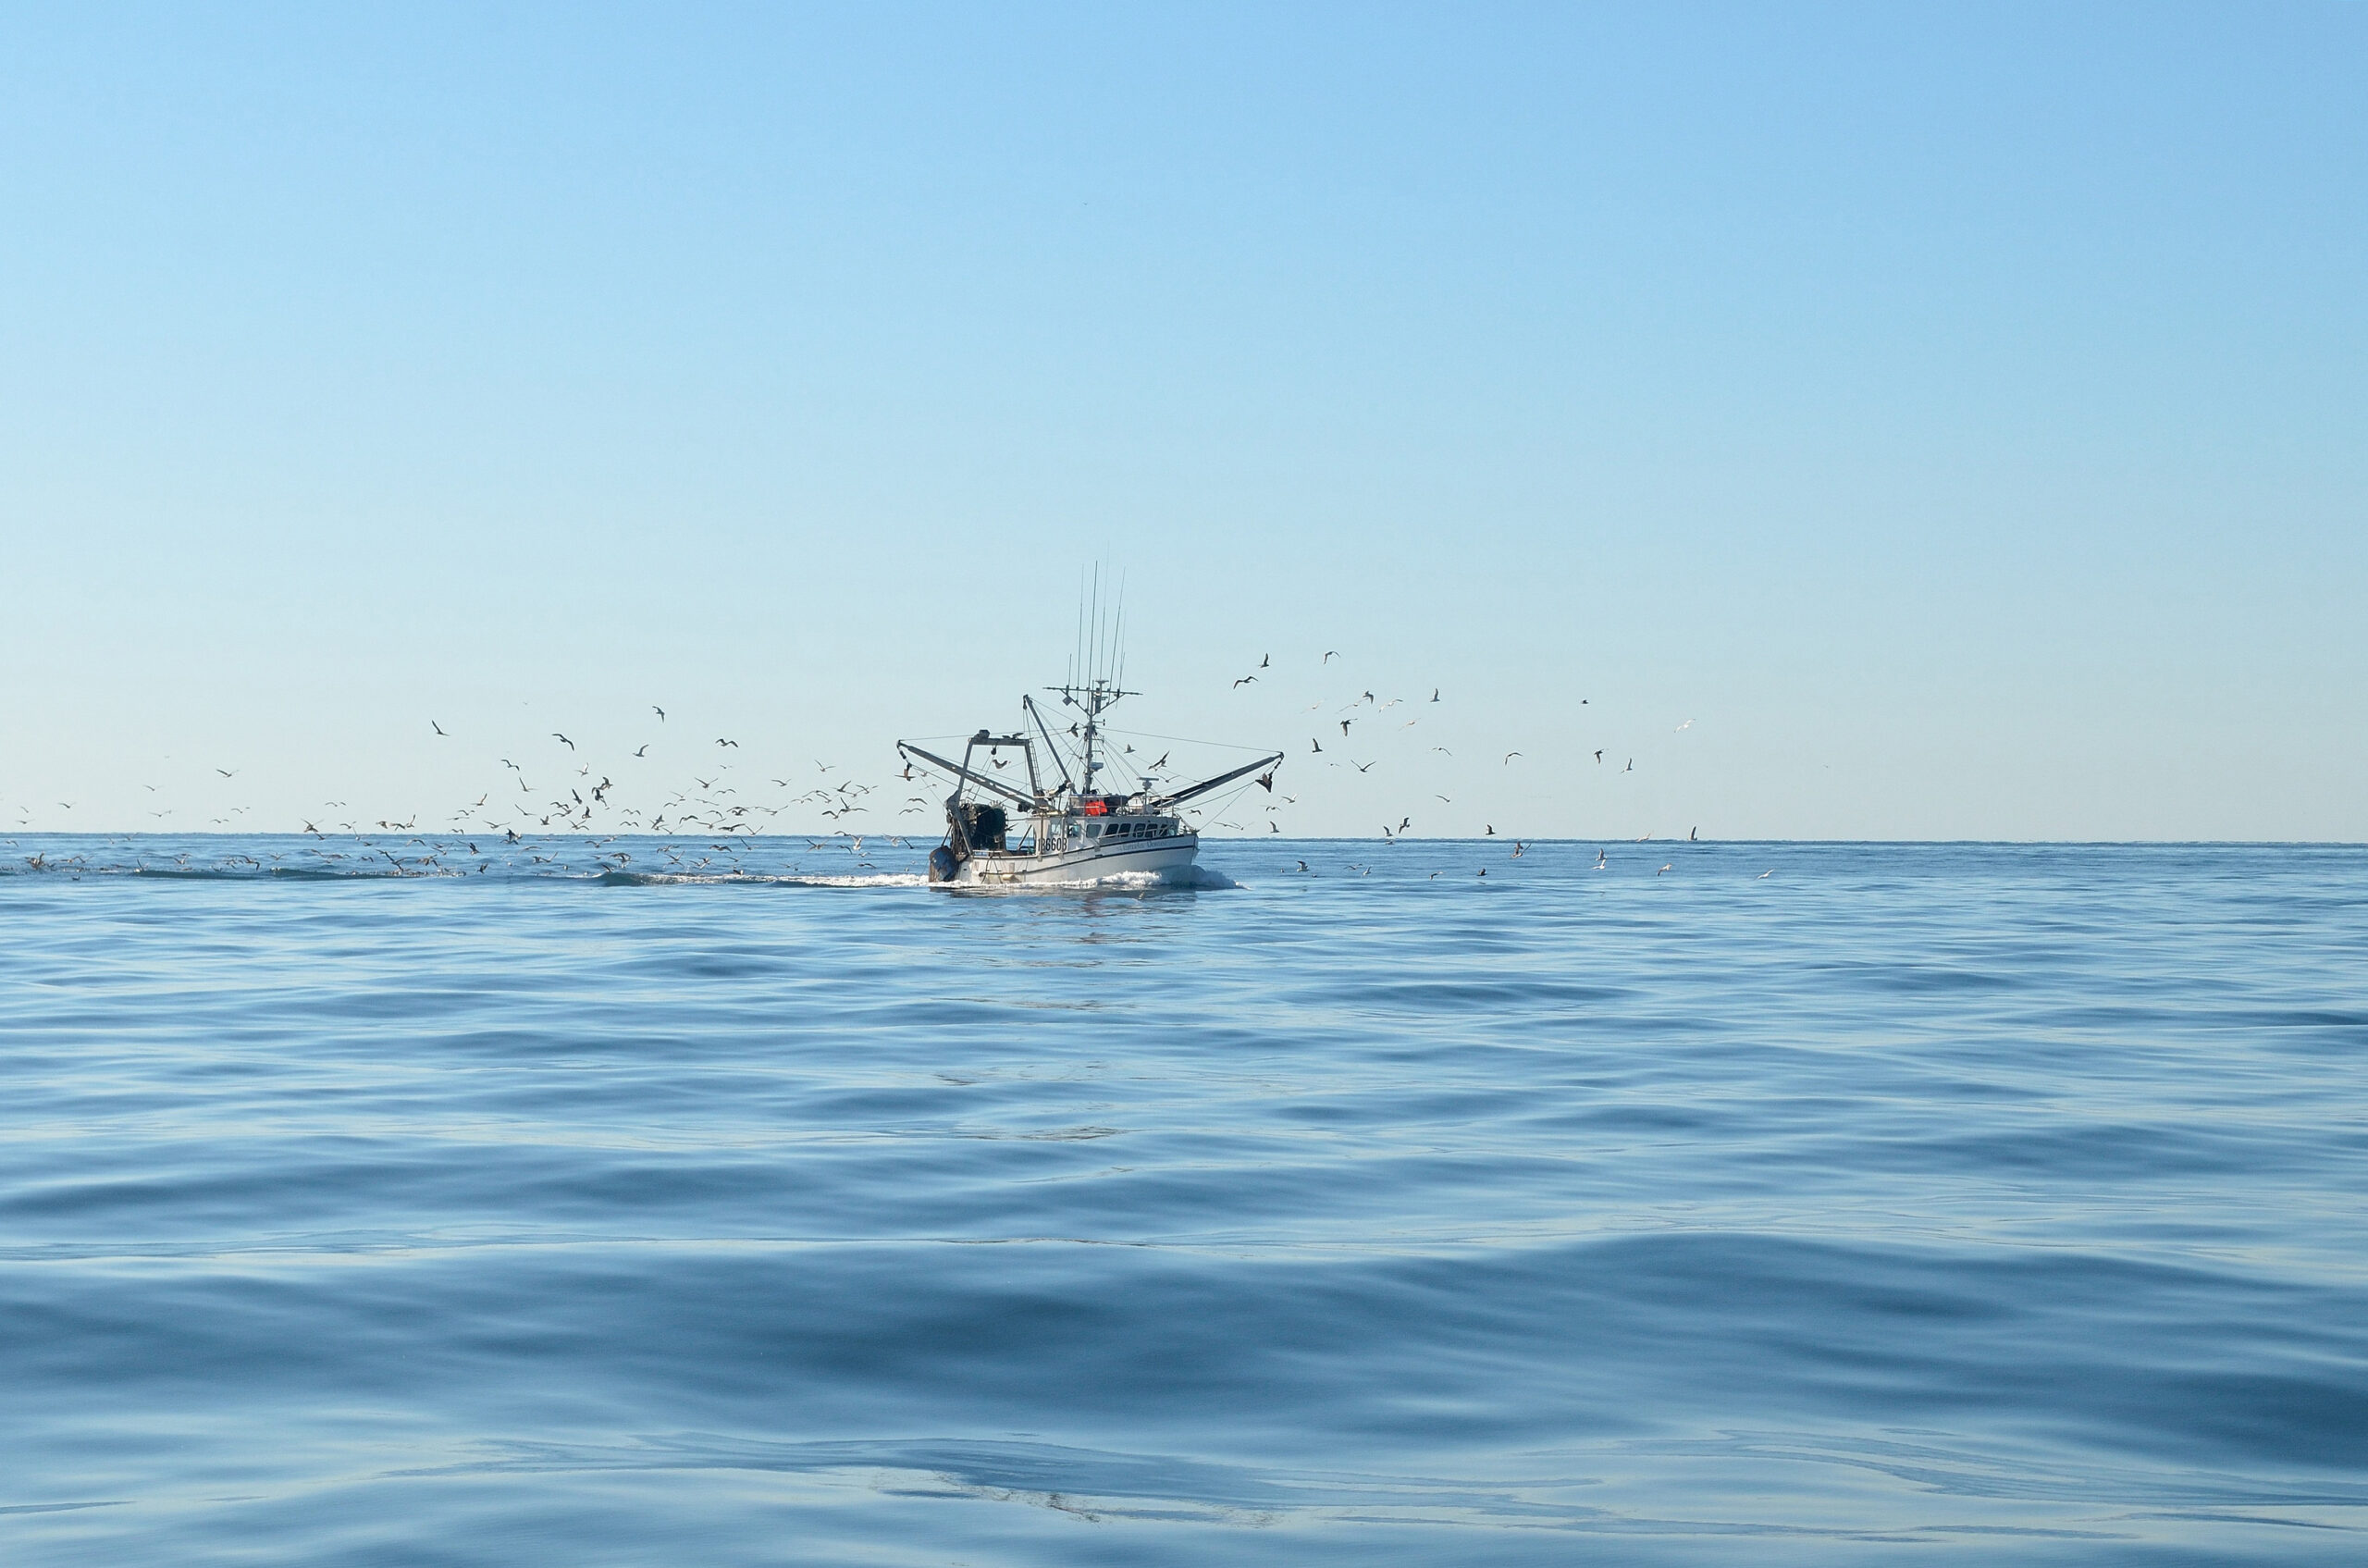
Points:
(1994, 1201)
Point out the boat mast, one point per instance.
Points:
(1097, 672)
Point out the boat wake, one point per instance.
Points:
(584, 871)
(759, 879)
(1191, 877)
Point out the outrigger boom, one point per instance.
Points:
(962, 770)
(1159, 802)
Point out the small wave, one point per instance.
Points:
(76, 869)
(292, 873)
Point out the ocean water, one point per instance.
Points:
(1904, 1203)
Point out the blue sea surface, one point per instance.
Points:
(1969, 1204)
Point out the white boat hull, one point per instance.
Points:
(1151, 858)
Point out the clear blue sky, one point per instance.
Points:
(1957, 415)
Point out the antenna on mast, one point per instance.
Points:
(1097, 669)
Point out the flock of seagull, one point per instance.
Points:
(1349, 716)
(561, 792)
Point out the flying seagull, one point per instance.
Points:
(562, 740)
(438, 728)
(660, 711)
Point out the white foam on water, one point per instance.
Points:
(1199, 877)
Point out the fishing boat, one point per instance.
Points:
(1071, 822)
